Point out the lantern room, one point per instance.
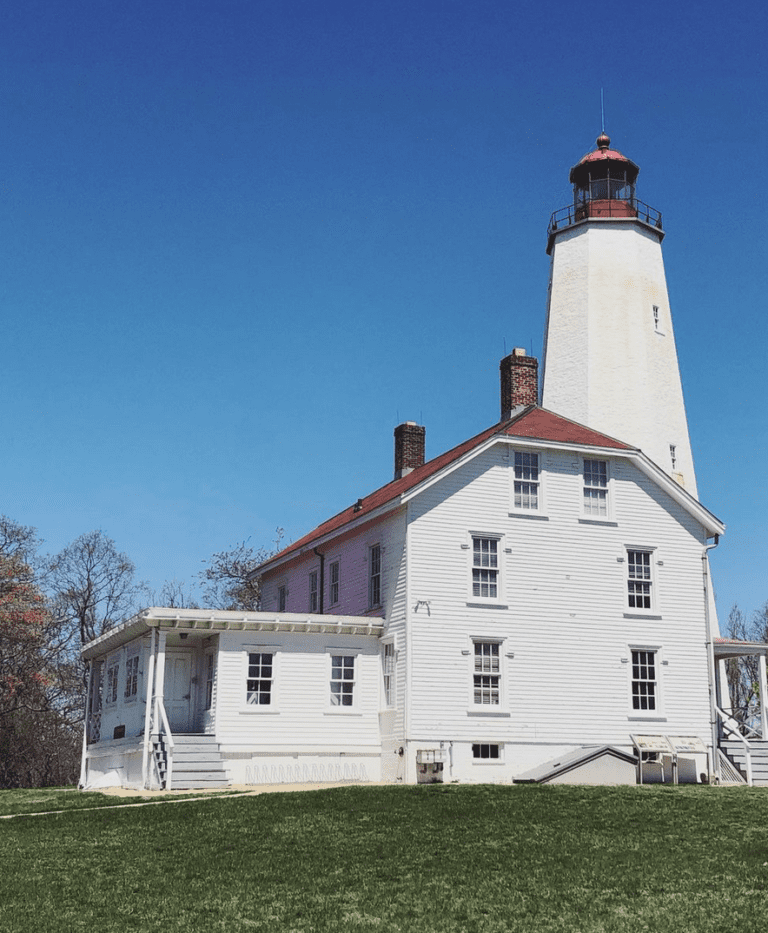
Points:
(603, 187)
(604, 182)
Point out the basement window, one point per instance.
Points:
(486, 751)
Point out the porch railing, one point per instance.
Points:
(728, 724)
(161, 720)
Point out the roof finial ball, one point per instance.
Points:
(603, 141)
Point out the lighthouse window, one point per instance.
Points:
(657, 320)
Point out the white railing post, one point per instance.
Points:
(735, 732)
(763, 695)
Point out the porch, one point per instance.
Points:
(154, 692)
(742, 732)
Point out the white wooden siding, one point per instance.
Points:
(300, 718)
(563, 611)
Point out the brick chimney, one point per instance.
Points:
(409, 448)
(519, 382)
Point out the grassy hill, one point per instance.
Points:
(434, 858)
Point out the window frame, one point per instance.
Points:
(313, 591)
(261, 650)
(389, 674)
(334, 585)
(210, 679)
(520, 509)
(498, 598)
(132, 675)
(632, 582)
(353, 682)
(374, 576)
(112, 681)
(657, 713)
(607, 488)
(282, 597)
(488, 710)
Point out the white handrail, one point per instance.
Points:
(162, 716)
(735, 732)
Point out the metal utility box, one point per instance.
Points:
(429, 765)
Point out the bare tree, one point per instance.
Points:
(92, 585)
(742, 672)
(173, 594)
(229, 579)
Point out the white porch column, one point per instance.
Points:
(160, 672)
(763, 694)
(86, 726)
(148, 721)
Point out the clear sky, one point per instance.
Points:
(243, 240)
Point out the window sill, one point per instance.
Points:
(480, 710)
(536, 516)
(608, 522)
(257, 711)
(642, 615)
(485, 762)
(651, 717)
(478, 603)
(349, 711)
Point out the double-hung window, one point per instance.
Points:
(342, 679)
(486, 676)
(644, 684)
(281, 593)
(132, 677)
(388, 668)
(526, 494)
(374, 576)
(485, 567)
(113, 677)
(334, 581)
(260, 681)
(210, 676)
(596, 488)
(639, 582)
(313, 591)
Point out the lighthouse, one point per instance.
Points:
(609, 349)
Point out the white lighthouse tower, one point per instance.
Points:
(609, 352)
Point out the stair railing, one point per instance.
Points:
(726, 722)
(161, 718)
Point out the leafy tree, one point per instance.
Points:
(229, 581)
(39, 687)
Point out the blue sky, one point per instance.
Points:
(243, 240)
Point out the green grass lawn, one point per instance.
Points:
(433, 858)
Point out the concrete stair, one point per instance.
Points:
(197, 762)
(734, 751)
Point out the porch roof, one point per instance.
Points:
(211, 621)
(733, 648)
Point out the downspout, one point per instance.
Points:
(321, 594)
(715, 766)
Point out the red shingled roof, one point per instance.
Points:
(533, 422)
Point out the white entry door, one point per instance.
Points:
(178, 691)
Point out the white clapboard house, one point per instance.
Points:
(517, 607)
